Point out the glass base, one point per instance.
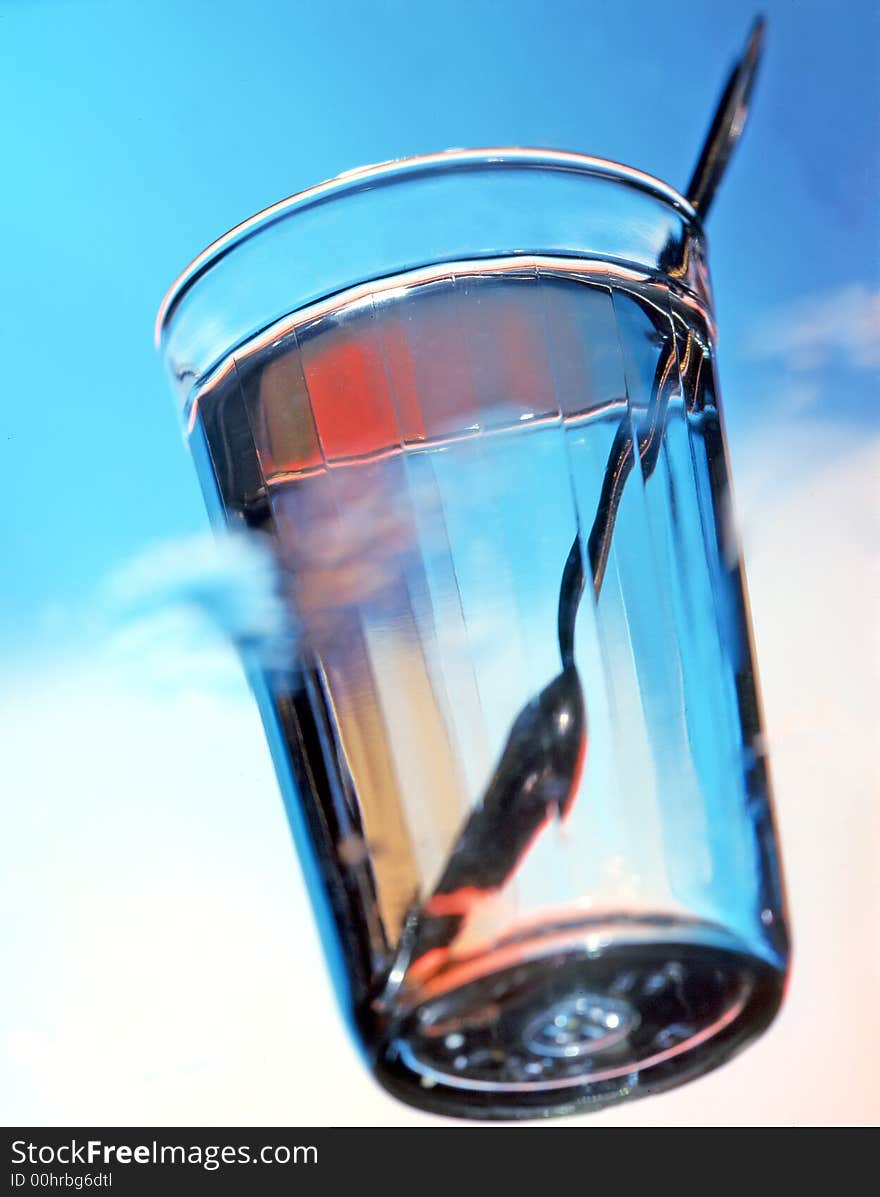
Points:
(578, 1020)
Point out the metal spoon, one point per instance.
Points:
(727, 124)
(539, 769)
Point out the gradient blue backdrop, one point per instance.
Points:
(137, 132)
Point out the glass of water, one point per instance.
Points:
(471, 401)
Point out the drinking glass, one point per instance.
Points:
(470, 401)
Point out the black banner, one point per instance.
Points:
(273, 1160)
(315, 1160)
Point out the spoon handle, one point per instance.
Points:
(727, 124)
(644, 442)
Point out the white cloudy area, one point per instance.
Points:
(162, 966)
(807, 333)
(800, 344)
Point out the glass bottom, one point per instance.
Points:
(579, 1018)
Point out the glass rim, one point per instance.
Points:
(364, 177)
